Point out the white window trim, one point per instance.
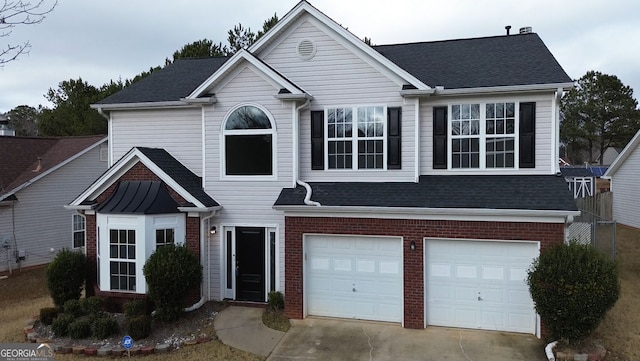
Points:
(354, 139)
(74, 231)
(274, 144)
(482, 136)
(145, 227)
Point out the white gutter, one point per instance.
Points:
(307, 198)
(296, 140)
(429, 211)
(202, 300)
(416, 146)
(290, 96)
(200, 101)
(200, 209)
(144, 105)
(484, 90)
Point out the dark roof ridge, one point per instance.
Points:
(453, 40)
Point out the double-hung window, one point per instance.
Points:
(483, 135)
(248, 138)
(78, 230)
(122, 259)
(356, 137)
(165, 237)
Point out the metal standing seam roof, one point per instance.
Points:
(517, 192)
(506, 60)
(139, 197)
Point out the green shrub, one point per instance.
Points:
(572, 287)
(92, 305)
(139, 327)
(276, 300)
(73, 308)
(104, 326)
(47, 315)
(60, 325)
(135, 308)
(80, 328)
(66, 275)
(171, 272)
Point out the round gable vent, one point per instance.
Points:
(306, 49)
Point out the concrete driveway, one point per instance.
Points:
(331, 339)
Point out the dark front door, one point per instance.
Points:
(250, 264)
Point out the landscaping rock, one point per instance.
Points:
(91, 351)
(77, 350)
(104, 351)
(117, 351)
(64, 349)
(147, 350)
(32, 336)
(162, 348)
(190, 342)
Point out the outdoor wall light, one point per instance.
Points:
(213, 230)
(412, 245)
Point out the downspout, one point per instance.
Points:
(296, 155)
(109, 142)
(200, 303)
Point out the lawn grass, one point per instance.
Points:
(24, 293)
(620, 329)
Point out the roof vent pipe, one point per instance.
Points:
(508, 29)
(526, 30)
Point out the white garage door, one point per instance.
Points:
(354, 277)
(479, 284)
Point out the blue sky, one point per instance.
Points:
(103, 40)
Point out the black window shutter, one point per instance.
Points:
(527, 135)
(317, 139)
(440, 137)
(394, 143)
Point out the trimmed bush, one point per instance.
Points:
(92, 305)
(60, 325)
(66, 275)
(80, 328)
(135, 308)
(47, 315)
(139, 327)
(73, 308)
(104, 326)
(171, 272)
(276, 300)
(572, 287)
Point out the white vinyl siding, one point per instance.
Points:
(336, 76)
(545, 145)
(246, 203)
(178, 131)
(625, 185)
(41, 222)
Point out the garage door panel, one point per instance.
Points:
(366, 274)
(458, 272)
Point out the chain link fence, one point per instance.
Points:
(589, 228)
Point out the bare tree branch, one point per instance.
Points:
(20, 12)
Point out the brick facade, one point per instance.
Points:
(138, 172)
(411, 230)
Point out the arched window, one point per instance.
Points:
(248, 142)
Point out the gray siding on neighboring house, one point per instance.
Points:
(335, 76)
(41, 222)
(178, 131)
(544, 141)
(246, 202)
(626, 191)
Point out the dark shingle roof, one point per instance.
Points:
(527, 192)
(465, 63)
(19, 156)
(179, 173)
(478, 62)
(170, 83)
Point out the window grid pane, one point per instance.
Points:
(500, 152)
(164, 237)
(465, 134)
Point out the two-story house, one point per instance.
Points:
(410, 183)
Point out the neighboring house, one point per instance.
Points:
(37, 177)
(410, 183)
(624, 174)
(610, 154)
